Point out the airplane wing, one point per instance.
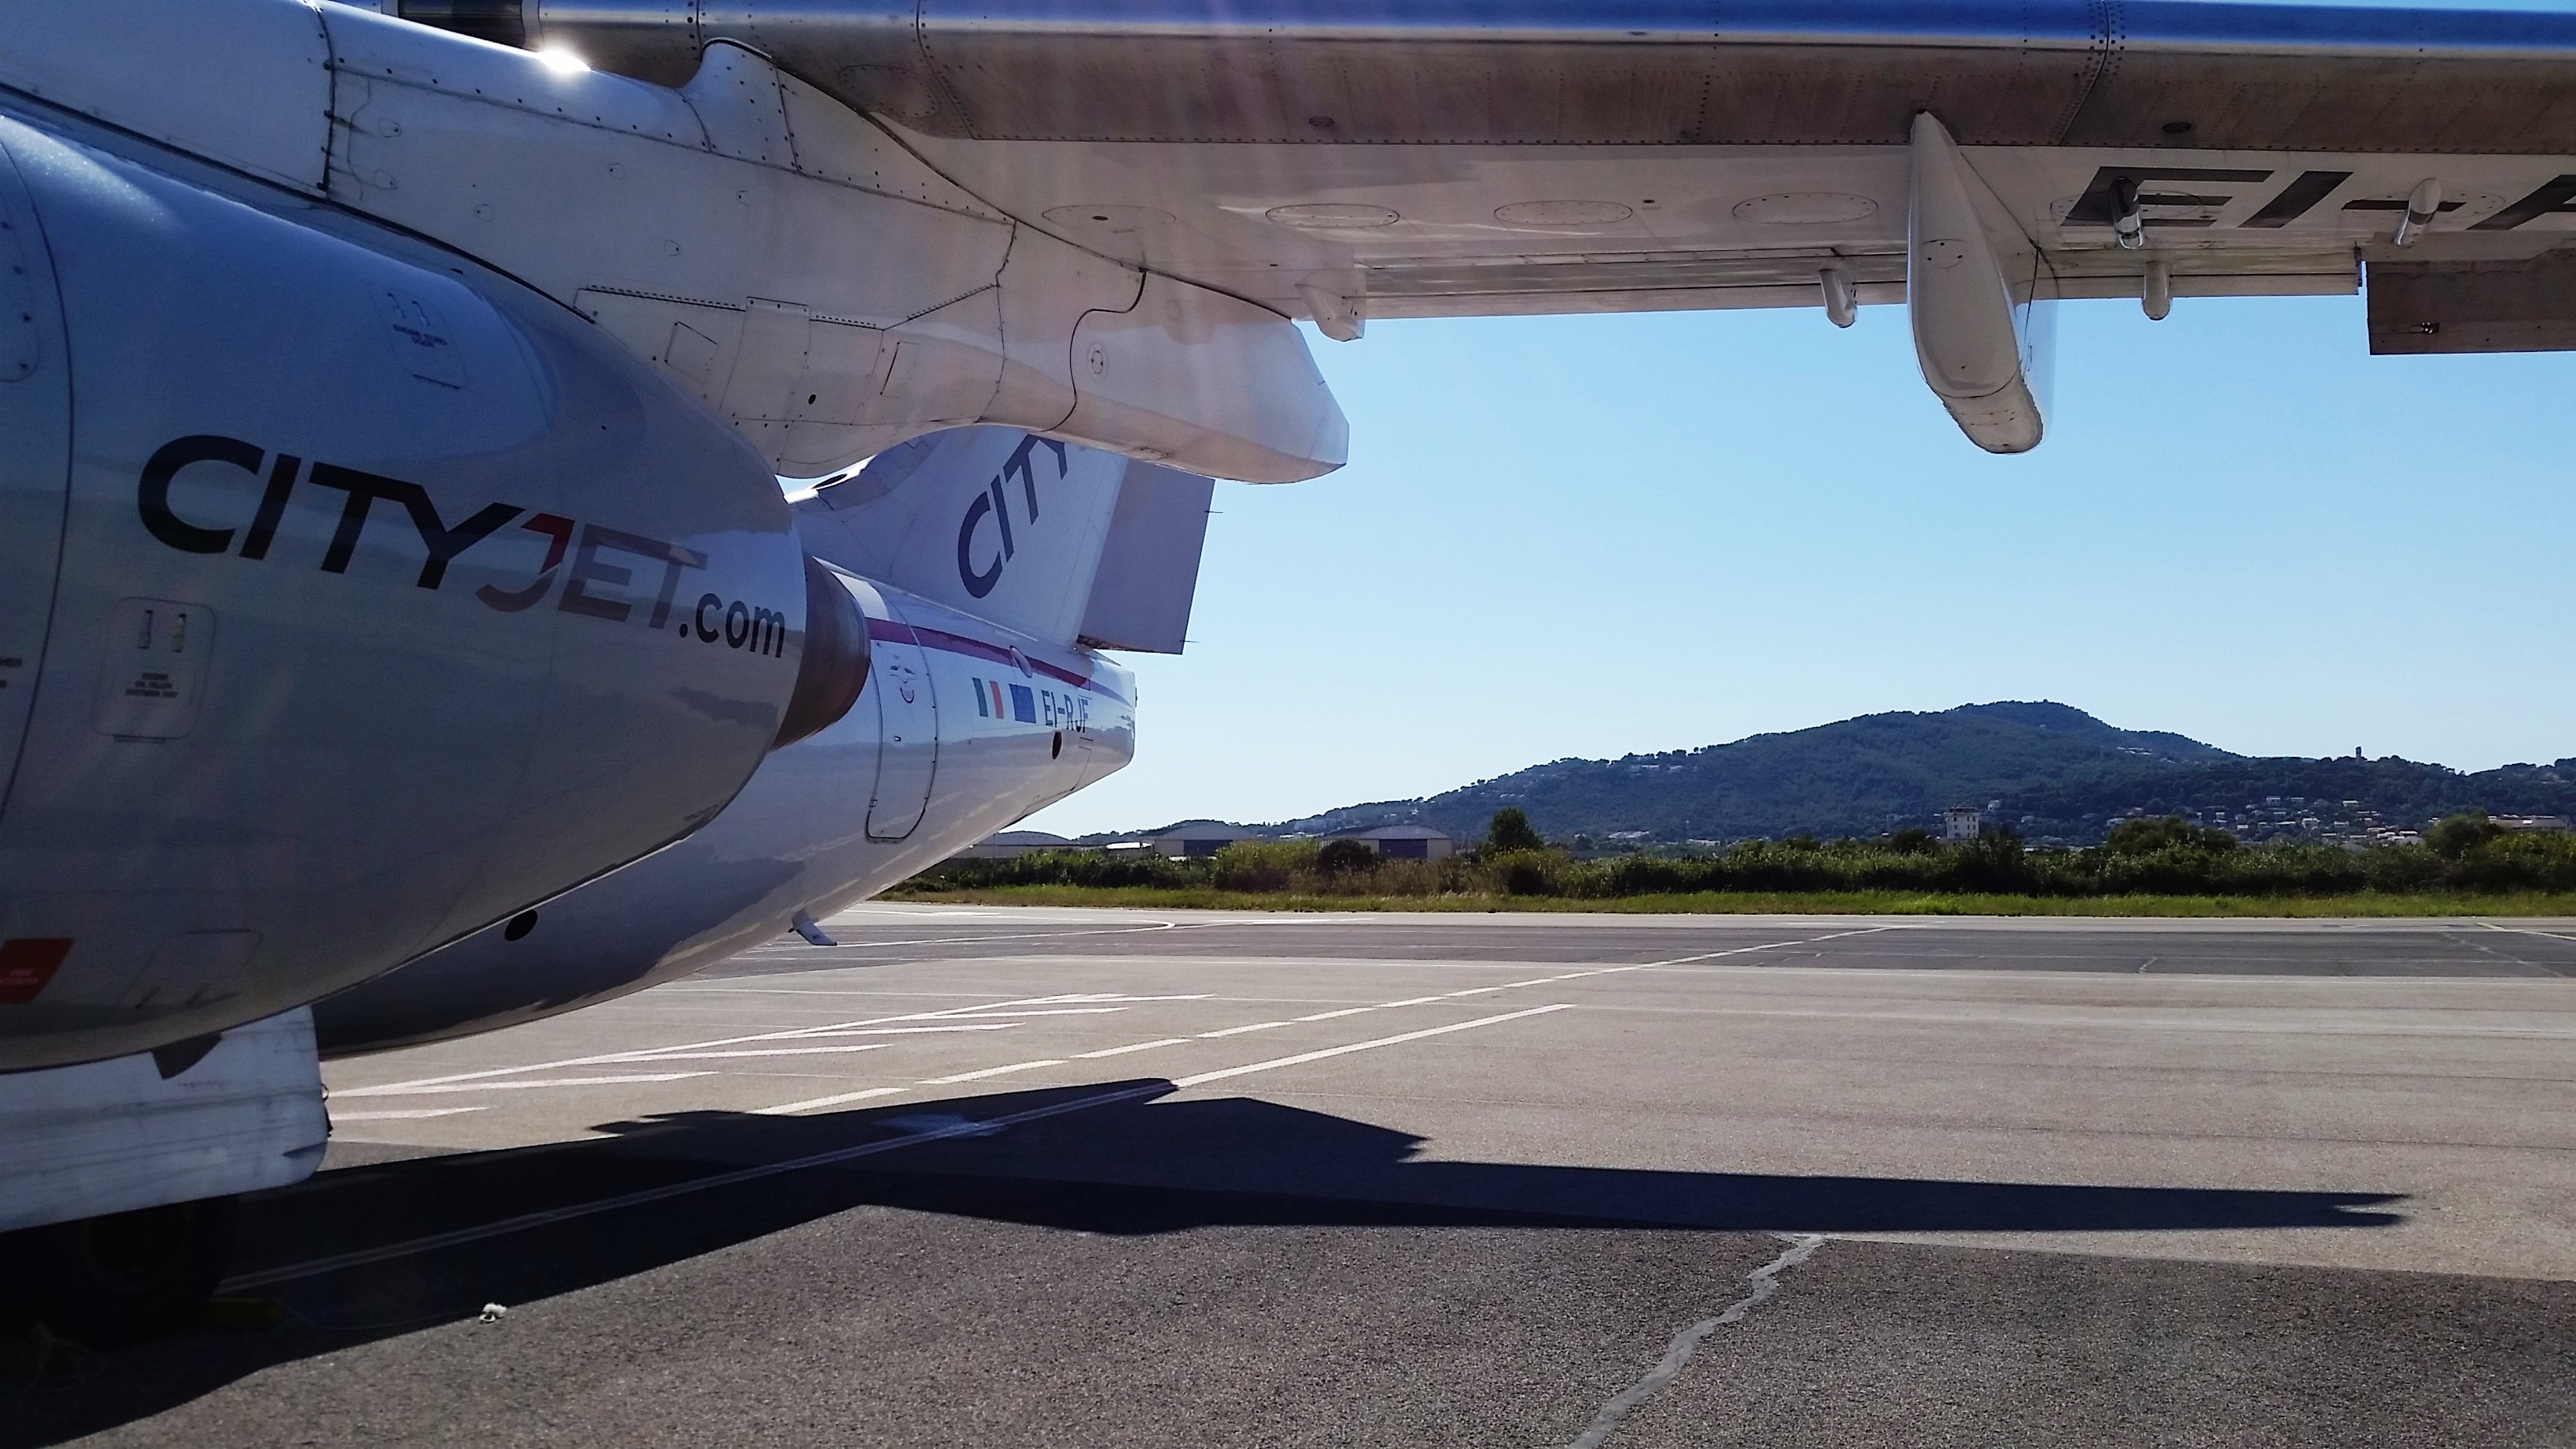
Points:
(1344, 159)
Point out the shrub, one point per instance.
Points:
(1065, 867)
(2454, 836)
(1994, 861)
(1345, 857)
(2163, 857)
(1524, 872)
(1263, 865)
(2146, 837)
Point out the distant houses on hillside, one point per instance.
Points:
(2528, 822)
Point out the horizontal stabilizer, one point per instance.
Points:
(1149, 572)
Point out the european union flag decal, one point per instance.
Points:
(1024, 704)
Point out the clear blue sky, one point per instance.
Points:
(1586, 536)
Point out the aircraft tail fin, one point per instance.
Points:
(1067, 543)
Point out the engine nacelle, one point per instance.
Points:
(352, 597)
(1010, 561)
(898, 784)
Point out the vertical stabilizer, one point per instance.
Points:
(1067, 543)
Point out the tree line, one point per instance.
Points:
(2465, 853)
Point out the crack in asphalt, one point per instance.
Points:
(1765, 1281)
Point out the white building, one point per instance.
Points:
(1012, 843)
(1402, 842)
(1961, 822)
(1192, 839)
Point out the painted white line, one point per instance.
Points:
(942, 912)
(1412, 1001)
(1303, 1057)
(407, 1089)
(873, 1046)
(2526, 931)
(1121, 996)
(1017, 936)
(1741, 950)
(986, 1008)
(810, 1104)
(1676, 961)
(1651, 965)
(399, 1116)
(524, 1221)
(1345, 1011)
(1050, 1011)
(1120, 1051)
(1240, 1030)
(991, 1072)
(917, 1030)
(681, 988)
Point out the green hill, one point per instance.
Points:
(2049, 770)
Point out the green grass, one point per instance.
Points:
(1888, 903)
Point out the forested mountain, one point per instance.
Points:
(2048, 770)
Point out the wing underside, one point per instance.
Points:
(1405, 158)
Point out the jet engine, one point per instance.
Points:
(352, 597)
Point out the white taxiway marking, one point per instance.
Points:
(979, 940)
(1050, 1011)
(992, 1072)
(390, 1251)
(407, 1089)
(917, 1030)
(1133, 1046)
(816, 1103)
(873, 1046)
(983, 1008)
(962, 1129)
(1407, 1001)
(400, 1116)
(1737, 951)
(2526, 931)
(1303, 1057)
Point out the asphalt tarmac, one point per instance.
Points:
(1032, 1177)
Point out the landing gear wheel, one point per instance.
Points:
(127, 1276)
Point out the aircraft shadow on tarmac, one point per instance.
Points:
(1124, 1165)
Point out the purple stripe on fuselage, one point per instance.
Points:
(972, 648)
